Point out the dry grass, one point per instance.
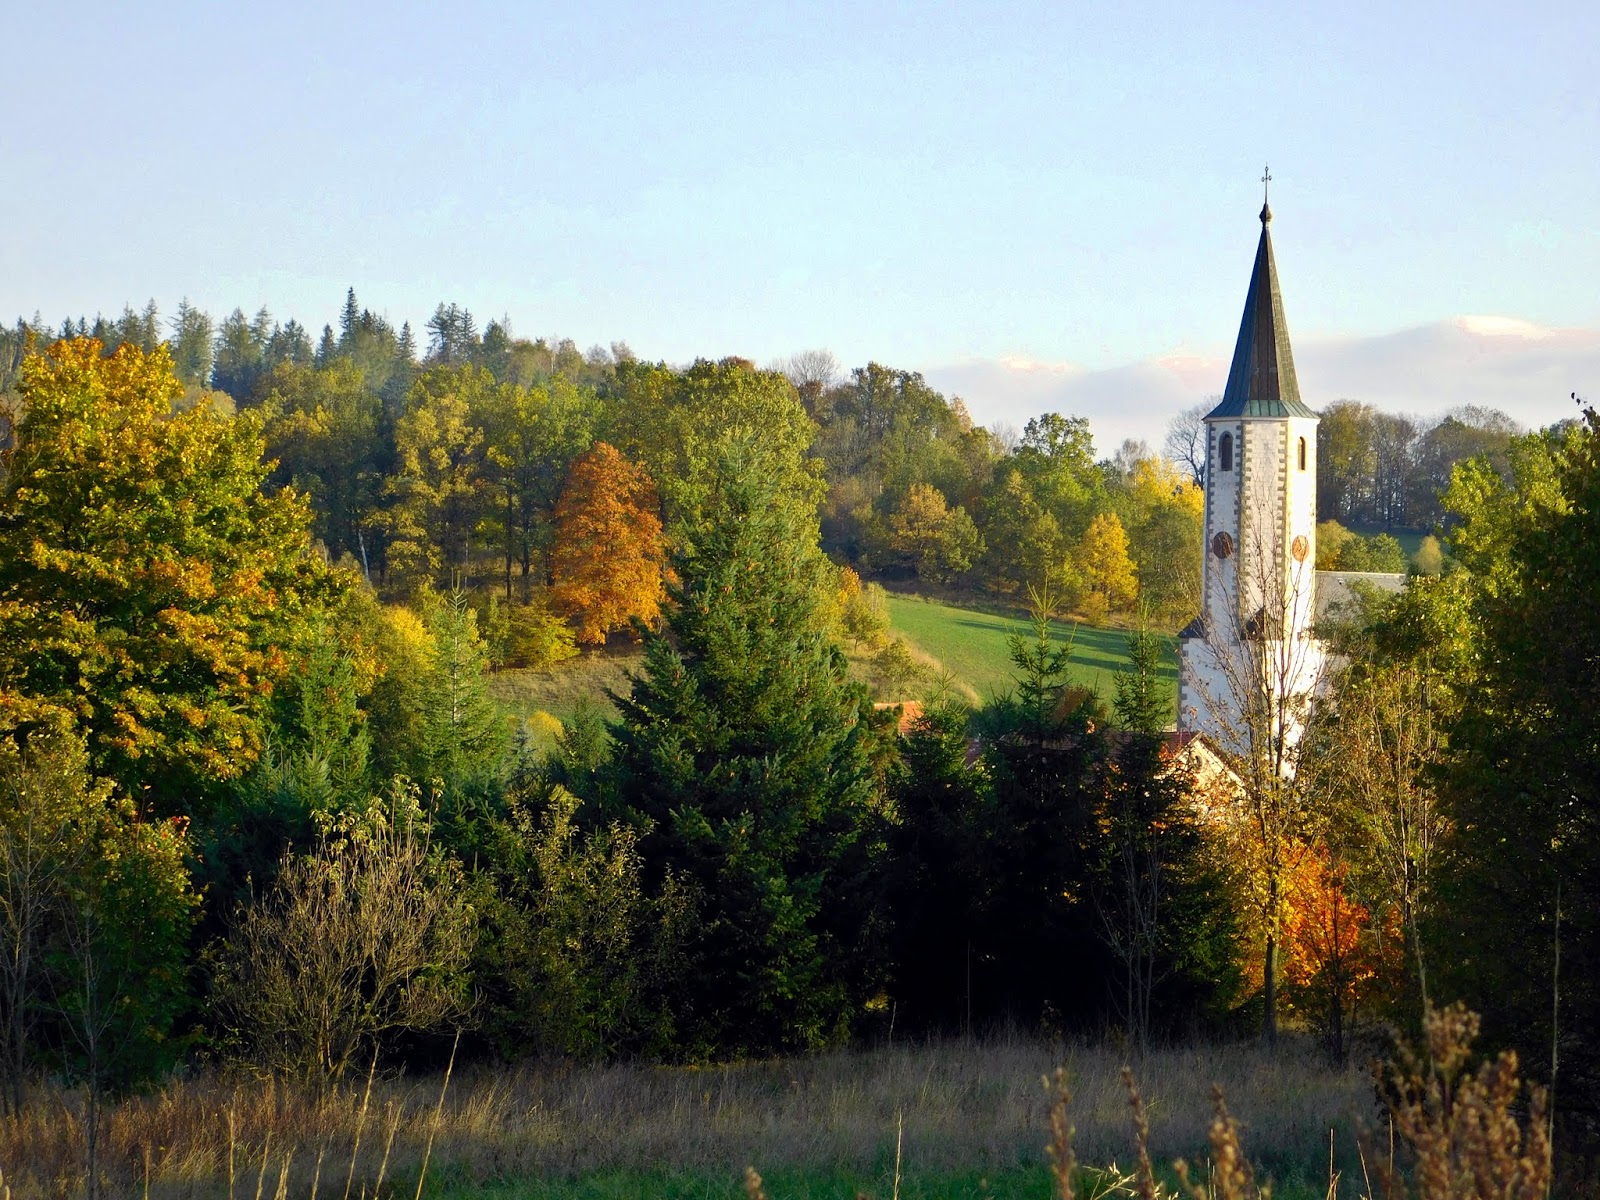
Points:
(954, 1105)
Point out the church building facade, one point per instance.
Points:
(1251, 655)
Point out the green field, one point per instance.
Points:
(970, 644)
(1410, 539)
(1006, 1183)
(973, 645)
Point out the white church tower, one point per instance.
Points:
(1249, 659)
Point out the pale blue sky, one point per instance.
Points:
(927, 185)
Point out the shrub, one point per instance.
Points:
(537, 638)
(361, 937)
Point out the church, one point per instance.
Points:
(1250, 663)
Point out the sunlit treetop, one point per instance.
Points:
(149, 589)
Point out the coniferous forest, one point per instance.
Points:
(260, 812)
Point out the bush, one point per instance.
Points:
(1381, 552)
(1429, 558)
(363, 936)
(865, 613)
(536, 637)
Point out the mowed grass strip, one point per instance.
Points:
(973, 645)
(1008, 1183)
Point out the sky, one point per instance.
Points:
(1039, 206)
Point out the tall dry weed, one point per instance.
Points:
(1466, 1132)
(948, 1105)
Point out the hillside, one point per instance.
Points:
(972, 645)
(968, 643)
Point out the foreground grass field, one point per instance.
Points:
(970, 1119)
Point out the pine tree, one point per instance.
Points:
(349, 320)
(193, 345)
(1044, 748)
(750, 754)
(327, 348)
(1163, 913)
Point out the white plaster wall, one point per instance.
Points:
(1201, 688)
(1261, 547)
(1300, 516)
(1222, 516)
(1264, 503)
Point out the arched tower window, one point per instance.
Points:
(1225, 451)
(1302, 454)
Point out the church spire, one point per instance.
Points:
(1261, 382)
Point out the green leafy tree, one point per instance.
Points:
(1056, 458)
(439, 484)
(120, 961)
(533, 437)
(1381, 552)
(1025, 545)
(325, 430)
(939, 541)
(44, 791)
(1523, 773)
(582, 946)
(677, 424)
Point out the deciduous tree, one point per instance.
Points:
(148, 587)
(609, 551)
(439, 482)
(1107, 570)
(365, 935)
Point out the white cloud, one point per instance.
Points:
(1524, 369)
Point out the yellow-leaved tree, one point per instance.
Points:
(1107, 570)
(1166, 512)
(608, 554)
(150, 591)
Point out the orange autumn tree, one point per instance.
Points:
(606, 563)
(1332, 948)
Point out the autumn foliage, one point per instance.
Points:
(1107, 570)
(1335, 950)
(608, 554)
(149, 589)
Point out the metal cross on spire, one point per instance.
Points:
(1266, 179)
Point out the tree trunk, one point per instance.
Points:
(1269, 992)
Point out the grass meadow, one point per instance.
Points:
(971, 644)
(968, 1118)
(966, 643)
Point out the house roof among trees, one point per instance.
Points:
(1261, 382)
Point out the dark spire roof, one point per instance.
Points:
(1261, 382)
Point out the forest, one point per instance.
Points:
(259, 810)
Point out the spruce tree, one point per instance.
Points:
(1034, 957)
(749, 758)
